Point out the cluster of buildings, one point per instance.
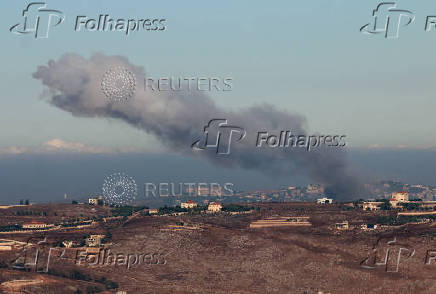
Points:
(92, 241)
(398, 200)
(312, 192)
(287, 194)
(345, 225)
(212, 207)
(395, 201)
(34, 225)
(385, 189)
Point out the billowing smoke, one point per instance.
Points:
(178, 118)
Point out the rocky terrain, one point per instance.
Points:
(219, 253)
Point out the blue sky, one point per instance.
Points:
(302, 56)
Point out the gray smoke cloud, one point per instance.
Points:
(177, 119)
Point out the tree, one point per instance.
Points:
(74, 202)
(21, 202)
(111, 285)
(27, 202)
(107, 237)
(83, 242)
(411, 206)
(386, 205)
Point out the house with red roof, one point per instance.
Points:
(190, 204)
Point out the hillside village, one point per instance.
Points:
(80, 232)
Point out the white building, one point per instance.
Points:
(153, 211)
(94, 240)
(372, 205)
(368, 227)
(214, 206)
(400, 196)
(342, 226)
(189, 204)
(324, 201)
(37, 225)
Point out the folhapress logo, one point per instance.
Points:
(388, 20)
(37, 19)
(218, 134)
(387, 255)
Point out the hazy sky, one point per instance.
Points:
(302, 56)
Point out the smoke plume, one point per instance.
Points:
(178, 118)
